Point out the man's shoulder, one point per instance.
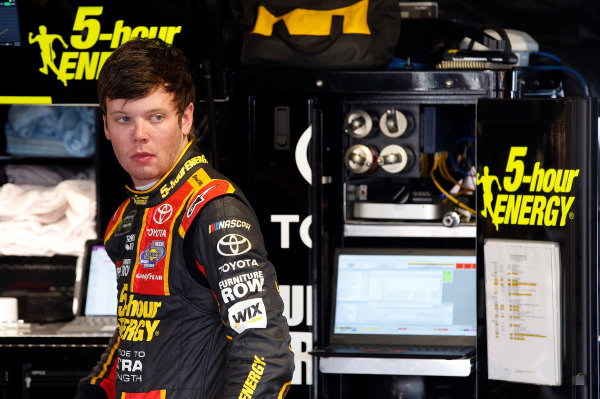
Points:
(117, 217)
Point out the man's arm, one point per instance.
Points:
(100, 384)
(230, 251)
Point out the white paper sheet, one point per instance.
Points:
(522, 290)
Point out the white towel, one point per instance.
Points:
(45, 175)
(44, 221)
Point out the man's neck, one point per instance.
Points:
(145, 186)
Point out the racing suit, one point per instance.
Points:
(199, 313)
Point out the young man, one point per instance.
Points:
(199, 311)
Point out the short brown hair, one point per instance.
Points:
(140, 66)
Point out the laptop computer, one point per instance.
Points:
(411, 303)
(95, 299)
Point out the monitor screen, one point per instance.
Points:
(10, 34)
(418, 293)
(101, 294)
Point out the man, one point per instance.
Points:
(199, 312)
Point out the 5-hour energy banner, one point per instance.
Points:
(78, 60)
(57, 49)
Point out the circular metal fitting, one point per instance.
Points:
(395, 158)
(394, 123)
(358, 124)
(451, 219)
(360, 159)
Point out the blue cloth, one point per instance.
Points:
(67, 130)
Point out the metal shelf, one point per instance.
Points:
(386, 366)
(409, 230)
(37, 160)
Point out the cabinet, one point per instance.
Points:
(49, 205)
(45, 366)
(553, 136)
(50, 55)
(364, 198)
(47, 164)
(299, 134)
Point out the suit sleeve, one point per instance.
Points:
(100, 383)
(230, 250)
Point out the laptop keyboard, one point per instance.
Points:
(94, 324)
(395, 351)
(94, 321)
(403, 348)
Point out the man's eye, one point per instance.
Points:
(157, 118)
(124, 119)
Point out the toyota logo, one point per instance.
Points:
(233, 244)
(163, 213)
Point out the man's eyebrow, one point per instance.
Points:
(155, 110)
(150, 111)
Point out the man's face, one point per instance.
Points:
(146, 134)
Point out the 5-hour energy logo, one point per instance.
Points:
(136, 318)
(76, 62)
(547, 203)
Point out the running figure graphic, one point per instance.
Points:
(486, 181)
(45, 41)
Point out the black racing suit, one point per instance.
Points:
(199, 312)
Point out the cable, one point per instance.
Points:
(564, 68)
(400, 63)
(548, 55)
(437, 158)
(456, 167)
(424, 160)
(446, 173)
(560, 68)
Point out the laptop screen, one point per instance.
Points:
(404, 296)
(10, 33)
(101, 287)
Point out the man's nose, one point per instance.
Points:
(140, 132)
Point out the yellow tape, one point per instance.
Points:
(25, 100)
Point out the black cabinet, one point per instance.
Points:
(45, 366)
(542, 152)
(42, 146)
(316, 136)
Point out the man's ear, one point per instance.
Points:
(187, 119)
(106, 132)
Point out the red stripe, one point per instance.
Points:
(108, 383)
(214, 188)
(143, 395)
(113, 220)
(201, 268)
